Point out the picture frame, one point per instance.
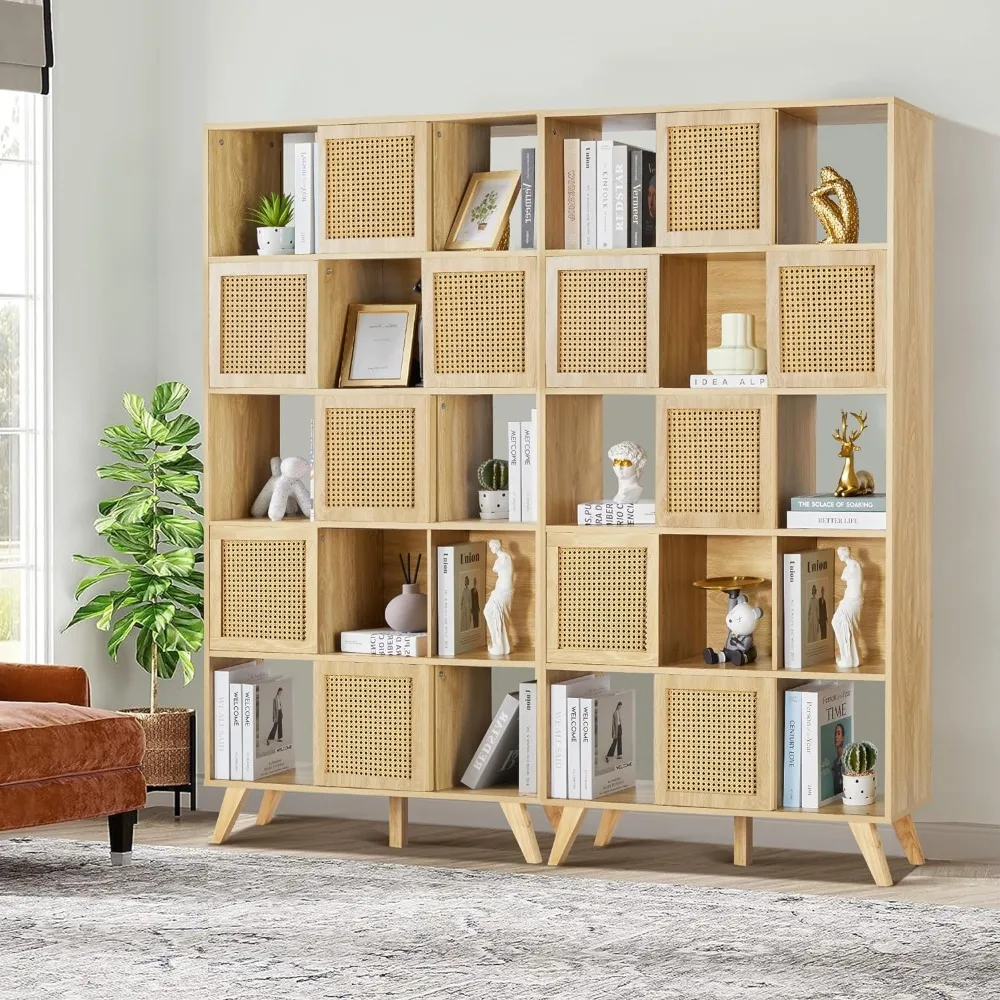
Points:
(378, 345)
(484, 211)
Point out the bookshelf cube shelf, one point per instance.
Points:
(602, 321)
(715, 742)
(716, 464)
(480, 320)
(717, 171)
(602, 597)
(826, 318)
(376, 191)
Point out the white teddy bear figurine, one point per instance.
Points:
(741, 620)
(286, 492)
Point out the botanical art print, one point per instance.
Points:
(485, 211)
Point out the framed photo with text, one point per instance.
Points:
(378, 345)
(485, 210)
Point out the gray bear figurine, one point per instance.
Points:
(741, 620)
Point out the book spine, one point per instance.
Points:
(793, 611)
(446, 616)
(810, 749)
(792, 784)
(619, 195)
(248, 698)
(529, 470)
(839, 505)
(383, 643)
(728, 382)
(318, 186)
(634, 196)
(557, 764)
(646, 200)
(615, 513)
(841, 521)
(235, 731)
(587, 748)
(527, 713)
(527, 198)
(573, 748)
(571, 194)
(514, 469)
(304, 192)
(220, 680)
(605, 197)
(588, 195)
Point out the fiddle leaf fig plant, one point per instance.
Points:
(155, 526)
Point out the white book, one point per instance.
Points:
(573, 748)
(304, 192)
(728, 381)
(571, 194)
(527, 738)
(863, 520)
(558, 695)
(827, 728)
(247, 715)
(383, 642)
(514, 469)
(586, 747)
(619, 195)
(588, 195)
(792, 783)
(461, 595)
(809, 797)
(609, 765)
(271, 748)
(808, 590)
(227, 749)
(235, 731)
(529, 470)
(607, 512)
(605, 196)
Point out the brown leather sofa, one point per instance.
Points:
(62, 760)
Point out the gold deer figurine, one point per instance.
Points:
(840, 218)
(852, 484)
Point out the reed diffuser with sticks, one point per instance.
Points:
(407, 612)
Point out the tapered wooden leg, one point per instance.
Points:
(569, 827)
(866, 834)
(268, 807)
(229, 813)
(742, 841)
(524, 832)
(553, 814)
(398, 821)
(909, 840)
(606, 828)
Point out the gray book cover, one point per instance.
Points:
(874, 502)
(527, 198)
(495, 761)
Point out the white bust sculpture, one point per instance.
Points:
(846, 619)
(496, 611)
(628, 461)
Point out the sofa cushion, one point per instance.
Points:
(41, 740)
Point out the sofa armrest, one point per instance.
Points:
(42, 682)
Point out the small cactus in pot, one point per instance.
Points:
(494, 501)
(858, 762)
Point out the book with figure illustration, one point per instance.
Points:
(809, 597)
(607, 743)
(827, 729)
(461, 596)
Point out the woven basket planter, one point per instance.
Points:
(167, 760)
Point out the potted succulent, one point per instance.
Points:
(858, 763)
(273, 218)
(154, 528)
(494, 501)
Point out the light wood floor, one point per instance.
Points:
(773, 870)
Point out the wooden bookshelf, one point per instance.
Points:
(428, 713)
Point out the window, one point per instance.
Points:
(24, 624)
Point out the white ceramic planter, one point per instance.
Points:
(859, 789)
(494, 505)
(273, 240)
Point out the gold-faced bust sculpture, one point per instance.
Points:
(840, 218)
(852, 484)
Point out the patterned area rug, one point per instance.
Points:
(214, 924)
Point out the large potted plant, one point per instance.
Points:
(154, 527)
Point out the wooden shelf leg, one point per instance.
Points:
(268, 807)
(909, 840)
(742, 841)
(553, 814)
(229, 813)
(606, 828)
(569, 827)
(866, 834)
(398, 821)
(524, 832)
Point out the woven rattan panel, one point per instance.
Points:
(602, 598)
(713, 461)
(370, 457)
(369, 726)
(264, 589)
(828, 318)
(602, 321)
(478, 322)
(370, 187)
(714, 181)
(711, 743)
(263, 324)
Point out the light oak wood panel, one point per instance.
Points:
(463, 711)
(554, 132)
(683, 621)
(734, 286)
(574, 466)
(395, 543)
(798, 174)
(352, 581)
(459, 151)
(684, 289)
(795, 469)
(464, 436)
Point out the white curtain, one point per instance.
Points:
(25, 45)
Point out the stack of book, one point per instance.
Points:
(383, 642)
(508, 751)
(605, 512)
(253, 722)
(592, 743)
(818, 728)
(522, 469)
(609, 195)
(828, 511)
